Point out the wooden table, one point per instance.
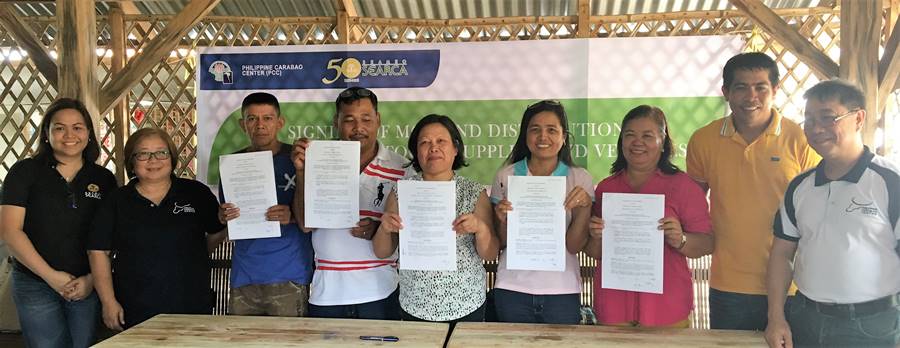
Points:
(169, 330)
(574, 336)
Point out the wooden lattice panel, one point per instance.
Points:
(24, 95)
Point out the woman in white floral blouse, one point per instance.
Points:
(444, 296)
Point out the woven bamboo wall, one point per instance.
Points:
(165, 97)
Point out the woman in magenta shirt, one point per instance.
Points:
(643, 165)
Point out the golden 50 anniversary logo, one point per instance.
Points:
(352, 69)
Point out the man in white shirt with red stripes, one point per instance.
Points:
(349, 280)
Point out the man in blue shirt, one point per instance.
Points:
(270, 276)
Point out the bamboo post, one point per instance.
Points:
(859, 55)
(120, 110)
(77, 54)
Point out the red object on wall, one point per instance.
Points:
(138, 116)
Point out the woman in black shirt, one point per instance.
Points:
(48, 203)
(161, 229)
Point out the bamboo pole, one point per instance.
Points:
(120, 110)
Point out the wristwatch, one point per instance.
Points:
(683, 241)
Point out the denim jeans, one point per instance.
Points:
(810, 328)
(735, 311)
(385, 309)
(519, 307)
(48, 319)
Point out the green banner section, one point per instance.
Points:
(489, 128)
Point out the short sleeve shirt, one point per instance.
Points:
(280, 259)
(685, 200)
(448, 295)
(846, 231)
(541, 282)
(347, 270)
(57, 213)
(161, 262)
(746, 182)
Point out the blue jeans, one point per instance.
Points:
(812, 328)
(387, 308)
(735, 311)
(49, 320)
(519, 307)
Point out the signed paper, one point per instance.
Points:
(536, 227)
(427, 239)
(248, 181)
(331, 184)
(632, 244)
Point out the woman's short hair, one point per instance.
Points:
(45, 151)
(659, 117)
(140, 135)
(413, 145)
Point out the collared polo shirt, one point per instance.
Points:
(57, 213)
(541, 282)
(683, 200)
(347, 270)
(846, 230)
(161, 262)
(747, 182)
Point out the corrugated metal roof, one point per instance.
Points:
(425, 9)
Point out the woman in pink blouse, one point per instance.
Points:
(644, 165)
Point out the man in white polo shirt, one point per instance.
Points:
(841, 221)
(349, 280)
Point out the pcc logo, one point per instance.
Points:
(221, 72)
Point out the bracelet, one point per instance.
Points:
(683, 241)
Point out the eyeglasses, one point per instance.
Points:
(825, 121)
(360, 92)
(548, 102)
(145, 156)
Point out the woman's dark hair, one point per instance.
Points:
(520, 149)
(140, 135)
(45, 151)
(659, 117)
(413, 145)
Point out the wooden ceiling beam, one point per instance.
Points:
(27, 40)
(350, 7)
(159, 48)
(768, 20)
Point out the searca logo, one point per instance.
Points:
(351, 69)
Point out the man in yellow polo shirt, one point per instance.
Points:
(746, 160)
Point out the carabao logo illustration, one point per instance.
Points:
(864, 208)
(221, 72)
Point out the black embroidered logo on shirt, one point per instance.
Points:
(380, 197)
(863, 208)
(187, 208)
